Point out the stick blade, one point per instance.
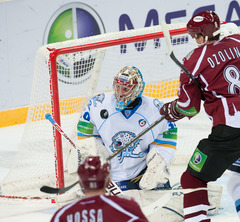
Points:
(50, 190)
(53, 190)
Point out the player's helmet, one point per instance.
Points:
(93, 175)
(128, 84)
(206, 23)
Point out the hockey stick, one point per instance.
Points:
(112, 187)
(53, 190)
(59, 129)
(137, 137)
(173, 57)
(48, 116)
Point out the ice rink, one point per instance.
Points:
(38, 211)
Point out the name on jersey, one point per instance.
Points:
(223, 56)
(86, 215)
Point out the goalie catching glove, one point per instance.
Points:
(157, 172)
(170, 112)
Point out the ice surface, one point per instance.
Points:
(40, 211)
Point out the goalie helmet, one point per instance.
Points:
(92, 174)
(206, 23)
(128, 84)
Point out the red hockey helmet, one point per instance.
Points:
(93, 175)
(206, 23)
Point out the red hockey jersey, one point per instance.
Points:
(217, 68)
(100, 208)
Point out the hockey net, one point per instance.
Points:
(67, 75)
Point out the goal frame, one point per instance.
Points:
(54, 53)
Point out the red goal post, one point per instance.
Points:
(66, 75)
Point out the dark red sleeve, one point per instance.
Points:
(189, 96)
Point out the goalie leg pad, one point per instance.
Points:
(173, 210)
(214, 198)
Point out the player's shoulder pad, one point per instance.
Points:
(189, 55)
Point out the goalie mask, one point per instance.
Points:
(128, 84)
(93, 175)
(206, 23)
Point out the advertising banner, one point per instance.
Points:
(26, 25)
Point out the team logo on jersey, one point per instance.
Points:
(98, 98)
(197, 160)
(142, 122)
(119, 140)
(127, 112)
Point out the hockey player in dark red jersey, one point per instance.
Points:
(96, 206)
(215, 64)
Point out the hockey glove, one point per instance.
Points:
(170, 112)
(157, 172)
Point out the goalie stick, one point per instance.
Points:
(48, 189)
(112, 188)
(49, 117)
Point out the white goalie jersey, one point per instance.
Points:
(116, 128)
